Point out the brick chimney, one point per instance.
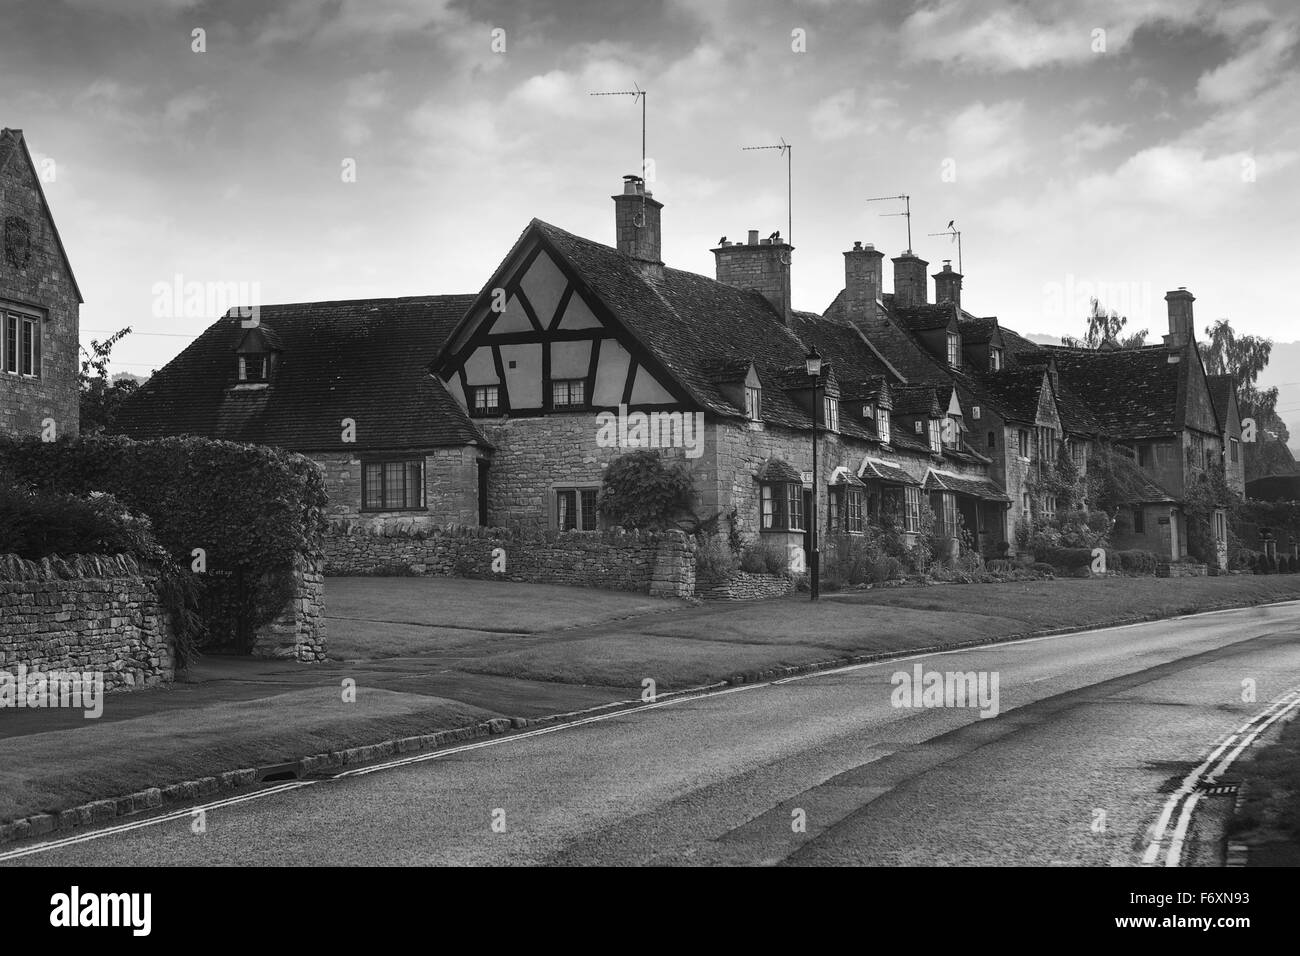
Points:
(910, 283)
(1181, 325)
(863, 278)
(762, 265)
(947, 285)
(636, 225)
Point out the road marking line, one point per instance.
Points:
(1187, 795)
(153, 821)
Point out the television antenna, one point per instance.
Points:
(907, 212)
(955, 234)
(785, 148)
(637, 94)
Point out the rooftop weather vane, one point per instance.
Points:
(788, 151)
(955, 235)
(907, 211)
(637, 94)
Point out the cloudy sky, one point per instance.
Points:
(1125, 146)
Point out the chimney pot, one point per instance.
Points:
(753, 237)
(910, 286)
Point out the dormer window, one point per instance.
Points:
(831, 413)
(255, 367)
(753, 403)
(936, 436)
(995, 359)
(882, 425)
(954, 350)
(256, 356)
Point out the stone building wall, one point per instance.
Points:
(85, 614)
(34, 279)
(450, 488)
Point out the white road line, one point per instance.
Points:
(153, 821)
(1187, 794)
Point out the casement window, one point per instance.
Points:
(936, 436)
(846, 512)
(575, 509)
(975, 413)
(995, 359)
(255, 367)
(1046, 444)
(393, 485)
(1164, 453)
(1049, 506)
(1144, 456)
(1220, 527)
(954, 350)
(882, 425)
(1022, 441)
(1139, 521)
(911, 509)
(1079, 454)
(782, 506)
(754, 403)
(1235, 447)
(831, 413)
(993, 439)
(569, 393)
(485, 400)
(21, 344)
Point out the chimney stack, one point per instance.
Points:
(1181, 325)
(910, 283)
(947, 285)
(760, 265)
(863, 281)
(636, 225)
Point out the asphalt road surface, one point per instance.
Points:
(1094, 732)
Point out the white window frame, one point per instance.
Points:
(954, 350)
(486, 409)
(831, 413)
(995, 359)
(911, 509)
(882, 425)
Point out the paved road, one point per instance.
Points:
(1103, 722)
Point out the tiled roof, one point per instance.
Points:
(976, 330)
(916, 400)
(844, 476)
(883, 471)
(1013, 392)
(696, 326)
(361, 359)
(778, 469)
(1015, 346)
(1131, 393)
(1221, 389)
(854, 360)
(923, 318)
(964, 485)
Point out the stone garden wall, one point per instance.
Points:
(85, 614)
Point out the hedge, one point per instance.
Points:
(251, 510)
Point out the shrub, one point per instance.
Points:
(764, 556)
(1043, 568)
(641, 490)
(714, 561)
(38, 524)
(999, 566)
(1138, 562)
(846, 559)
(1071, 559)
(886, 568)
(251, 509)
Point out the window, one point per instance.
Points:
(1047, 444)
(22, 344)
(975, 413)
(954, 350)
(936, 436)
(1139, 521)
(853, 520)
(754, 403)
(1049, 506)
(918, 426)
(948, 508)
(568, 393)
(1164, 453)
(882, 424)
(392, 485)
(831, 413)
(1220, 527)
(1079, 454)
(1025, 505)
(868, 412)
(912, 509)
(1144, 456)
(995, 359)
(1196, 455)
(1236, 450)
(575, 509)
(255, 367)
(993, 439)
(782, 506)
(486, 400)
(1022, 440)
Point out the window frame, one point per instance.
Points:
(936, 436)
(754, 403)
(954, 350)
(367, 505)
(911, 509)
(1139, 520)
(1022, 443)
(582, 513)
(28, 327)
(1234, 446)
(883, 425)
(487, 411)
(995, 359)
(569, 385)
(830, 413)
(781, 506)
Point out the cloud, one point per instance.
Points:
(839, 116)
(1254, 68)
(180, 109)
(988, 141)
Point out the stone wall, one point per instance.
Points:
(1181, 570)
(85, 614)
(450, 489)
(298, 632)
(743, 586)
(662, 565)
(35, 279)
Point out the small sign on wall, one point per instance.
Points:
(1162, 521)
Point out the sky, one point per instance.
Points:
(330, 149)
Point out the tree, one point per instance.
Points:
(101, 397)
(641, 491)
(1105, 326)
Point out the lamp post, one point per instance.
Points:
(813, 366)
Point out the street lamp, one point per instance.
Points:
(812, 364)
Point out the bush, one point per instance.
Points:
(38, 524)
(640, 490)
(714, 561)
(1071, 559)
(764, 556)
(1138, 562)
(1043, 568)
(251, 509)
(886, 568)
(999, 566)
